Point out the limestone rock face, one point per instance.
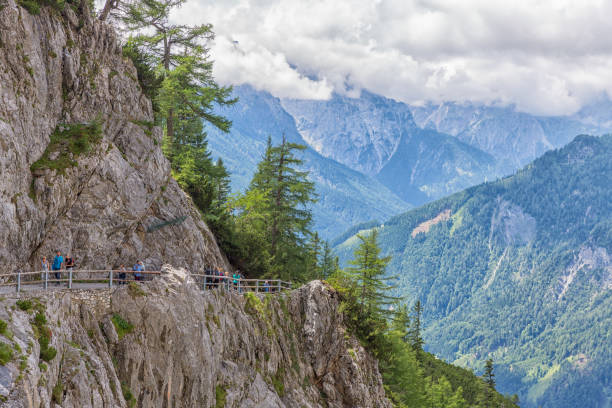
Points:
(117, 203)
(186, 348)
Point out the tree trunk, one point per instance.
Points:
(108, 6)
(278, 198)
(170, 117)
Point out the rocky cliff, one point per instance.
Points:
(167, 344)
(81, 169)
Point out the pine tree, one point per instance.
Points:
(440, 394)
(314, 254)
(329, 263)
(414, 333)
(369, 269)
(188, 90)
(401, 322)
(402, 374)
(489, 379)
(489, 376)
(286, 195)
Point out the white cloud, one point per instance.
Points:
(547, 57)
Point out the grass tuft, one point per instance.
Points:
(220, 396)
(122, 326)
(24, 305)
(68, 141)
(6, 353)
(127, 394)
(135, 290)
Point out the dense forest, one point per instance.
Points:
(518, 270)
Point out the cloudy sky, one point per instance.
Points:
(546, 57)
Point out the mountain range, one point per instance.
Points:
(518, 270)
(345, 196)
(379, 137)
(514, 138)
(372, 157)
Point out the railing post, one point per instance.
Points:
(110, 280)
(46, 279)
(279, 286)
(18, 280)
(239, 291)
(257, 286)
(204, 282)
(70, 278)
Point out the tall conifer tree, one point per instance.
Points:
(287, 194)
(414, 334)
(369, 270)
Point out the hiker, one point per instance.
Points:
(58, 262)
(122, 274)
(215, 278)
(69, 262)
(266, 286)
(235, 279)
(45, 267)
(137, 268)
(208, 277)
(221, 278)
(142, 269)
(226, 277)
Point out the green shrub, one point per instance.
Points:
(68, 141)
(40, 319)
(58, 393)
(3, 327)
(6, 353)
(254, 305)
(33, 6)
(24, 305)
(122, 326)
(48, 353)
(277, 382)
(43, 333)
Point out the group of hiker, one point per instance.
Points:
(217, 277)
(59, 264)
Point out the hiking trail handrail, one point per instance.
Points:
(116, 277)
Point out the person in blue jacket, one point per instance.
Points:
(137, 268)
(58, 263)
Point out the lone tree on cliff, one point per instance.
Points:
(175, 71)
(188, 91)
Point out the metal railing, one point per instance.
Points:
(111, 278)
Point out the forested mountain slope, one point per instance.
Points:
(519, 270)
(345, 197)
